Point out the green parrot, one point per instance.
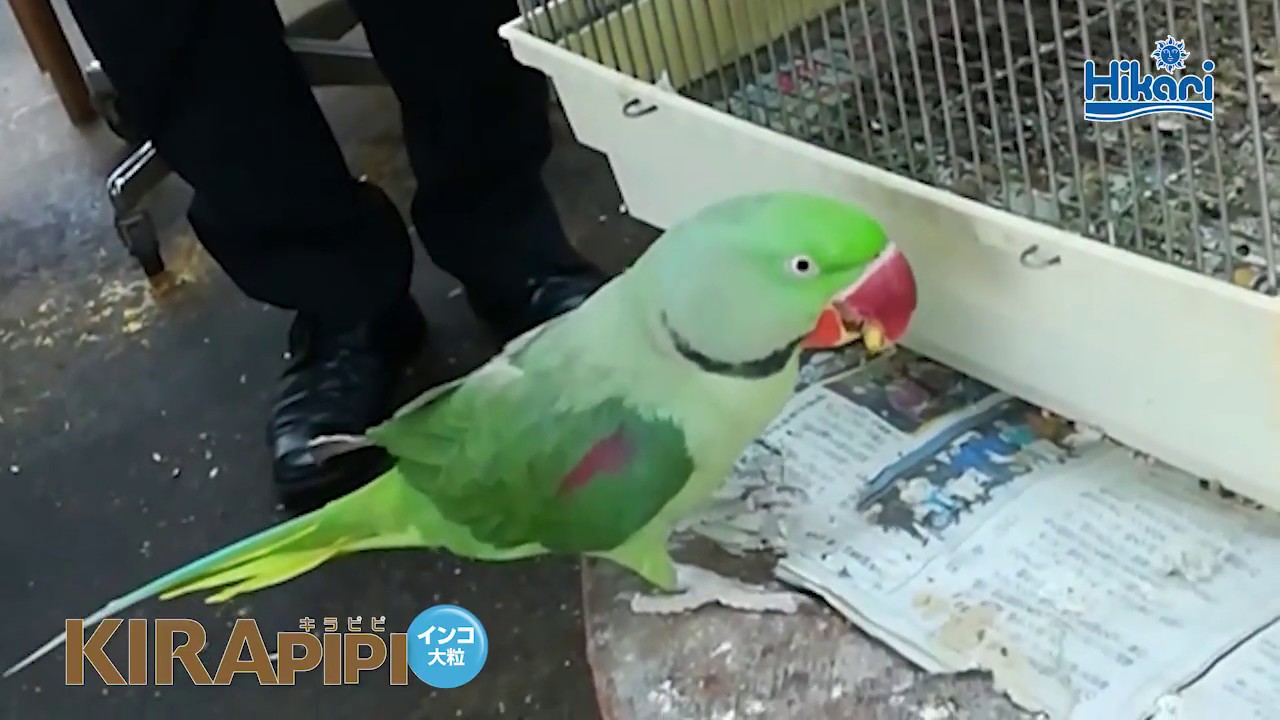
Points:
(594, 433)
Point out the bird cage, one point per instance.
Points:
(1121, 272)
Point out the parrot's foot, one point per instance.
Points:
(700, 587)
(647, 558)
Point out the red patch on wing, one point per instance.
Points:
(608, 455)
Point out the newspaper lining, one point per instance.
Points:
(1243, 685)
(961, 526)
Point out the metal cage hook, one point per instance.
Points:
(635, 107)
(1028, 259)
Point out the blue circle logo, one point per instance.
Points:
(447, 646)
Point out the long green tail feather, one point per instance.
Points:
(373, 517)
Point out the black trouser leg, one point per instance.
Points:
(213, 85)
(476, 128)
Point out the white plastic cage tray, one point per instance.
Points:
(1175, 363)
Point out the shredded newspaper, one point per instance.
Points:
(970, 530)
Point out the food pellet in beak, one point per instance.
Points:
(873, 337)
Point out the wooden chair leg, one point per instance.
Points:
(29, 34)
(53, 55)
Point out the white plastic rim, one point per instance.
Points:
(1180, 366)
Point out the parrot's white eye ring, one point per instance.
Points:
(803, 265)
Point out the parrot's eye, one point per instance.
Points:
(803, 265)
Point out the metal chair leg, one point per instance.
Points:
(138, 233)
(127, 185)
(103, 96)
(330, 63)
(327, 21)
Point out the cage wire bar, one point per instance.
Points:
(984, 98)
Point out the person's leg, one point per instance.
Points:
(213, 85)
(477, 132)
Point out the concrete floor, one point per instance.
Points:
(131, 436)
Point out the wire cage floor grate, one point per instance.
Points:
(984, 98)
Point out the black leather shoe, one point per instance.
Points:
(543, 299)
(339, 380)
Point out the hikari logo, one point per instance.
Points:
(1121, 90)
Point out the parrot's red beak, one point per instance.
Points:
(877, 308)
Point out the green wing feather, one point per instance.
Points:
(493, 454)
